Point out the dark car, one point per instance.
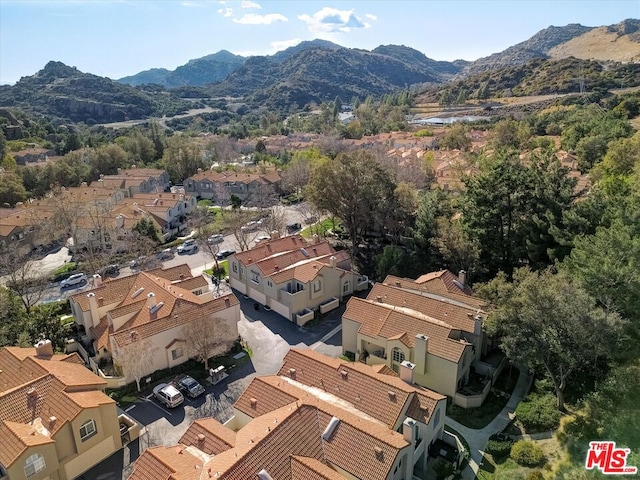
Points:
(293, 227)
(110, 271)
(222, 254)
(190, 386)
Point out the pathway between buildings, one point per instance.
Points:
(478, 438)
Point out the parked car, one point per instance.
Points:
(293, 227)
(73, 280)
(168, 395)
(190, 386)
(188, 247)
(217, 238)
(166, 254)
(262, 237)
(311, 220)
(249, 227)
(137, 262)
(109, 271)
(221, 255)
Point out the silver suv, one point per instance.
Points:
(168, 395)
(73, 280)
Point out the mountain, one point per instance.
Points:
(302, 46)
(619, 42)
(200, 71)
(65, 92)
(321, 73)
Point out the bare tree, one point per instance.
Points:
(297, 174)
(206, 337)
(276, 220)
(262, 196)
(223, 194)
(235, 221)
(136, 358)
(23, 276)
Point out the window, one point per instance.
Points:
(269, 283)
(34, 464)
(255, 277)
(234, 266)
(317, 286)
(346, 287)
(176, 354)
(398, 355)
(87, 429)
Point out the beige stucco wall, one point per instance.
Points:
(162, 358)
(349, 335)
(48, 451)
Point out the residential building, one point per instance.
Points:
(149, 309)
(257, 189)
(295, 277)
(55, 420)
(134, 180)
(318, 418)
(433, 322)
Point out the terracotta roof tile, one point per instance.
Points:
(260, 397)
(266, 249)
(305, 468)
(89, 399)
(379, 319)
(210, 436)
(16, 438)
(437, 288)
(454, 314)
(167, 463)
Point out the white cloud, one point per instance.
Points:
(371, 16)
(255, 19)
(332, 20)
(249, 4)
(226, 12)
(284, 44)
(192, 4)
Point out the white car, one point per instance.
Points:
(168, 395)
(249, 227)
(189, 246)
(73, 280)
(217, 238)
(262, 237)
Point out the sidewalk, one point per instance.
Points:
(478, 438)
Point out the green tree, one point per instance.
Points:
(434, 204)
(456, 138)
(590, 151)
(396, 261)
(12, 190)
(235, 201)
(147, 228)
(496, 210)
(260, 147)
(356, 189)
(550, 324)
(181, 158)
(622, 157)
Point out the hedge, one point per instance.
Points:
(527, 454)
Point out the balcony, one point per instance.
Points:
(361, 283)
(329, 305)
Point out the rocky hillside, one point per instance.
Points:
(618, 43)
(319, 74)
(64, 92)
(209, 69)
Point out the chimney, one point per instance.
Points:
(398, 283)
(227, 302)
(32, 398)
(199, 170)
(275, 235)
(44, 348)
(97, 280)
(119, 171)
(101, 183)
(409, 430)
(333, 261)
(52, 422)
(93, 308)
(120, 221)
(136, 208)
(406, 372)
(477, 325)
(378, 299)
(151, 299)
(316, 238)
(201, 438)
(420, 353)
(462, 278)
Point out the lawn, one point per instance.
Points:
(320, 228)
(222, 263)
(482, 416)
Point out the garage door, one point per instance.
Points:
(280, 309)
(238, 285)
(257, 296)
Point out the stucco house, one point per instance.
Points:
(318, 418)
(404, 320)
(152, 308)
(55, 420)
(251, 188)
(295, 277)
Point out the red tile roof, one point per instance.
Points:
(386, 321)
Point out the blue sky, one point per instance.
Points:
(115, 38)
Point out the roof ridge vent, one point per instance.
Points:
(137, 292)
(328, 432)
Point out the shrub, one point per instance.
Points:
(527, 453)
(538, 413)
(218, 271)
(535, 475)
(499, 449)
